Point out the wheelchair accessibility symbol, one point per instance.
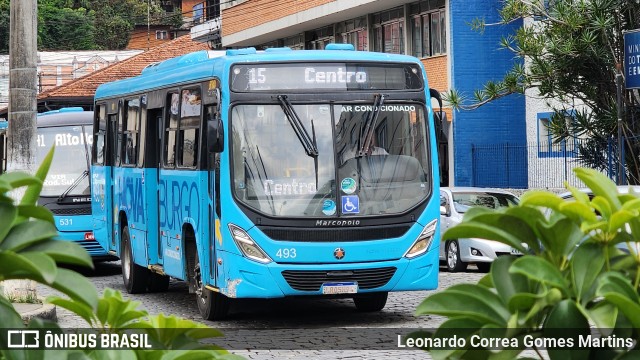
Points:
(350, 204)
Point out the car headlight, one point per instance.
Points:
(247, 246)
(424, 240)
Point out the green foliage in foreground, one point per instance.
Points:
(571, 281)
(28, 251)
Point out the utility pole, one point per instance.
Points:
(23, 54)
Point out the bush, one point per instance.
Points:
(572, 281)
(28, 251)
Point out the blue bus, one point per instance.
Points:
(66, 191)
(264, 174)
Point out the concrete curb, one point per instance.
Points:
(30, 311)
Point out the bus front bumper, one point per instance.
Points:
(249, 279)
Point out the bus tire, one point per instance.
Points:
(135, 276)
(371, 302)
(158, 283)
(212, 305)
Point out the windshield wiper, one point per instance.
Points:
(75, 183)
(370, 125)
(308, 142)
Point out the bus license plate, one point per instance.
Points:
(340, 288)
(515, 251)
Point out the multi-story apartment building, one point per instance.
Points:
(436, 31)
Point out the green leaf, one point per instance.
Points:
(17, 179)
(76, 286)
(577, 211)
(540, 270)
(541, 198)
(560, 237)
(8, 214)
(580, 196)
(603, 206)
(507, 284)
(523, 301)
(613, 282)
(630, 308)
(619, 219)
(75, 307)
(604, 316)
(66, 252)
(16, 266)
(10, 317)
(600, 185)
(465, 300)
(27, 234)
(36, 212)
(566, 321)
(46, 266)
(586, 265)
(33, 191)
(113, 311)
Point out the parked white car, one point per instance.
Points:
(458, 253)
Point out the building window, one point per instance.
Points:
(354, 32)
(321, 38)
(429, 33)
(388, 31)
(546, 146)
(161, 35)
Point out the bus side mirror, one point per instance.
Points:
(215, 135)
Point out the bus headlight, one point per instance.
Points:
(424, 240)
(247, 246)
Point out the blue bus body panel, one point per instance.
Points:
(73, 228)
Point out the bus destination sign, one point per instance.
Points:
(325, 76)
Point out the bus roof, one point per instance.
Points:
(188, 68)
(65, 118)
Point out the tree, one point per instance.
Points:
(4, 26)
(571, 51)
(65, 28)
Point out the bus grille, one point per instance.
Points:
(72, 211)
(92, 247)
(311, 280)
(337, 234)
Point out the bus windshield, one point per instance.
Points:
(273, 174)
(69, 160)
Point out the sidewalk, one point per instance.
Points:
(29, 311)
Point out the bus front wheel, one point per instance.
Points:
(135, 276)
(212, 305)
(371, 302)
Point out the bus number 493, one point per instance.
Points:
(286, 253)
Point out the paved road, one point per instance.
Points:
(309, 328)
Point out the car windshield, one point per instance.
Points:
(69, 159)
(462, 201)
(274, 174)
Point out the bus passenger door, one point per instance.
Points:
(153, 152)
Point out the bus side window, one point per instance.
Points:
(130, 129)
(171, 128)
(189, 133)
(100, 133)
